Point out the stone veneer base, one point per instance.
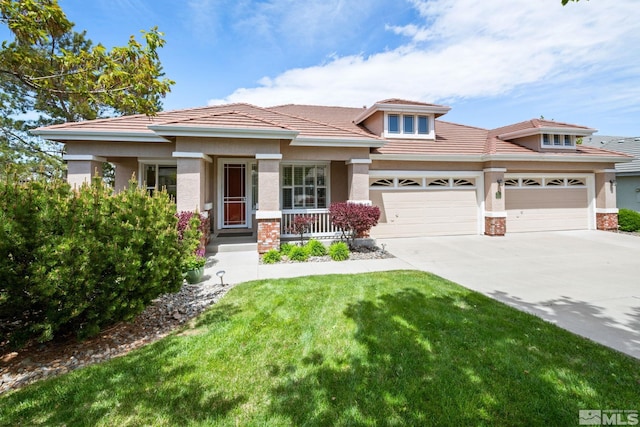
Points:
(268, 234)
(495, 226)
(607, 221)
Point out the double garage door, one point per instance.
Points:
(536, 203)
(413, 206)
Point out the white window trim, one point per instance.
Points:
(415, 135)
(558, 147)
(327, 166)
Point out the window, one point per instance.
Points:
(552, 140)
(304, 186)
(158, 177)
(394, 123)
(423, 125)
(408, 124)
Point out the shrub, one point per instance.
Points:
(187, 219)
(316, 248)
(285, 248)
(339, 251)
(298, 253)
(628, 220)
(353, 219)
(301, 224)
(79, 260)
(191, 238)
(271, 257)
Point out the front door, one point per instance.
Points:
(234, 195)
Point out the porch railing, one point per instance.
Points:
(320, 228)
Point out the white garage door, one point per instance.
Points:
(424, 206)
(546, 204)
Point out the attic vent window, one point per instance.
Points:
(558, 141)
(408, 125)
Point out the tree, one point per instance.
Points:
(564, 2)
(51, 74)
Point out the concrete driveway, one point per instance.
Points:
(585, 281)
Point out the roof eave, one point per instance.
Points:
(63, 135)
(429, 157)
(572, 158)
(538, 131)
(222, 132)
(307, 141)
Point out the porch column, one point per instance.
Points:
(125, 169)
(495, 215)
(81, 168)
(268, 215)
(606, 210)
(191, 184)
(358, 180)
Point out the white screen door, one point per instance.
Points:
(234, 199)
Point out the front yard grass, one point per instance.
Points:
(394, 348)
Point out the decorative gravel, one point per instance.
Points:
(166, 313)
(359, 253)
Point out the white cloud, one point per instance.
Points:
(466, 48)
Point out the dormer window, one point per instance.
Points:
(558, 141)
(409, 126)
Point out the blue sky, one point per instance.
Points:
(495, 62)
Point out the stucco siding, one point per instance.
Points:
(121, 149)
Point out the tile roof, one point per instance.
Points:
(618, 144)
(334, 123)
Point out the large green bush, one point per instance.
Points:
(78, 260)
(628, 220)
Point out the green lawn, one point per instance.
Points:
(396, 348)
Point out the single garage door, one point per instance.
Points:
(425, 206)
(546, 204)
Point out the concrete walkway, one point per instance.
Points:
(587, 282)
(244, 266)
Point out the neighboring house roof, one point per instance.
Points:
(620, 144)
(315, 125)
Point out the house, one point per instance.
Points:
(627, 174)
(253, 169)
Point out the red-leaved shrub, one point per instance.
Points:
(354, 219)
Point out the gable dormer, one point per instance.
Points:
(544, 135)
(401, 119)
